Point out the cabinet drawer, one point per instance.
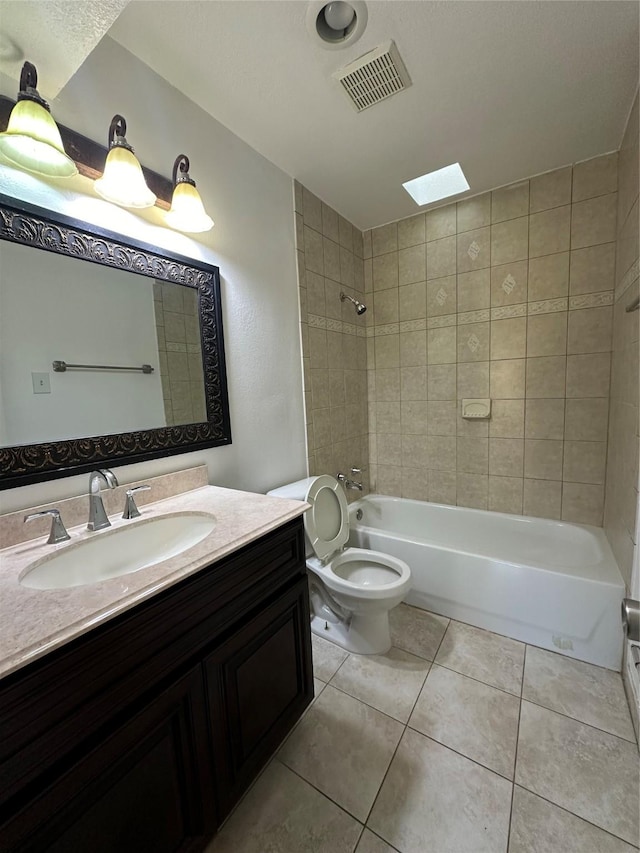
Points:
(258, 682)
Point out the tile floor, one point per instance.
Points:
(456, 740)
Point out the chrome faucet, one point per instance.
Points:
(58, 531)
(97, 515)
(350, 484)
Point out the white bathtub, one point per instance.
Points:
(548, 583)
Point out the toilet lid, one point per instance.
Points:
(327, 522)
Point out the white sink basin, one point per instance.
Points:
(119, 552)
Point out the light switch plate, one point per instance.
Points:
(41, 383)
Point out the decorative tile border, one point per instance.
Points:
(334, 325)
(473, 317)
(317, 322)
(504, 312)
(441, 322)
(413, 325)
(388, 329)
(591, 300)
(548, 306)
(348, 329)
(629, 278)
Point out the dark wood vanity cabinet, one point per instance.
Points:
(142, 734)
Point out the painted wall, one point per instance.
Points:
(58, 308)
(253, 244)
(507, 295)
(621, 507)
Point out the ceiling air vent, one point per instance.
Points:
(373, 77)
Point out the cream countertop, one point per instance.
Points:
(34, 622)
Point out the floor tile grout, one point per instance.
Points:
(515, 754)
(576, 720)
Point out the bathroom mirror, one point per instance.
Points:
(111, 351)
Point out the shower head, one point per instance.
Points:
(359, 306)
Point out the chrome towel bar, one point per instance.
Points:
(62, 366)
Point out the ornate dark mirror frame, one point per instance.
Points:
(45, 230)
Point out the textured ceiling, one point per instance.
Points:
(56, 35)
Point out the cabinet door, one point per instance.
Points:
(146, 788)
(258, 683)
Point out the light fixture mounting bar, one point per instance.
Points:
(89, 157)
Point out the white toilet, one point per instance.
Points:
(352, 590)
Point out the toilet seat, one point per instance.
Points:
(359, 571)
(327, 522)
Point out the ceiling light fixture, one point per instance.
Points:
(437, 185)
(187, 210)
(336, 23)
(32, 140)
(122, 181)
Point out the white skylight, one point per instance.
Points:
(436, 185)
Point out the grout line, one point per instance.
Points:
(515, 755)
(321, 792)
(581, 722)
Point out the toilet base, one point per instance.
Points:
(366, 634)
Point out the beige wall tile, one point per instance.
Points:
(543, 459)
(388, 384)
(320, 398)
(593, 269)
(442, 487)
(318, 347)
(594, 221)
(473, 342)
(441, 296)
(474, 290)
(412, 264)
(509, 338)
(345, 230)
(550, 190)
(505, 494)
(588, 375)
(346, 267)
(472, 490)
(441, 345)
(590, 330)
(441, 417)
(389, 448)
(595, 177)
(315, 294)
(387, 349)
(384, 239)
(509, 241)
(549, 277)
(385, 307)
(311, 210)
(586, 419)
(414, 451)
(582, 503)
(441, 451)
(510, 202)
(507, 419)
(508, 379)
(470, 427)
(472, 455)
(441, 222)
(331, 252)
(389, 480)
(441, 258)
(544, 419)
(546, 376)
(506, 457)
(584, 461)
(411, 231)
(413, 301)
(413, 349)
(547, 334)
(385, 271)
(415, 484)
(549, 231)
(313, 252)
(474, 212)
(441, 382)
(509, 284)
(474, 250)
(330, 223)
(414, 417)
(413, 383)
(388, 418)
(542, 498)
(368, 276)
(473, 380)
(337, 395)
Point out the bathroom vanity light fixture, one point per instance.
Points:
(187, 210)
(32, 140)
(436, 185)
(122, 181)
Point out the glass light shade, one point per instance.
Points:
(187, 211)
(122, 181)
(32, 141)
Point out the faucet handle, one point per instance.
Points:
(356, 471)
(341, 477)
(130, 508)
(58, 532)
